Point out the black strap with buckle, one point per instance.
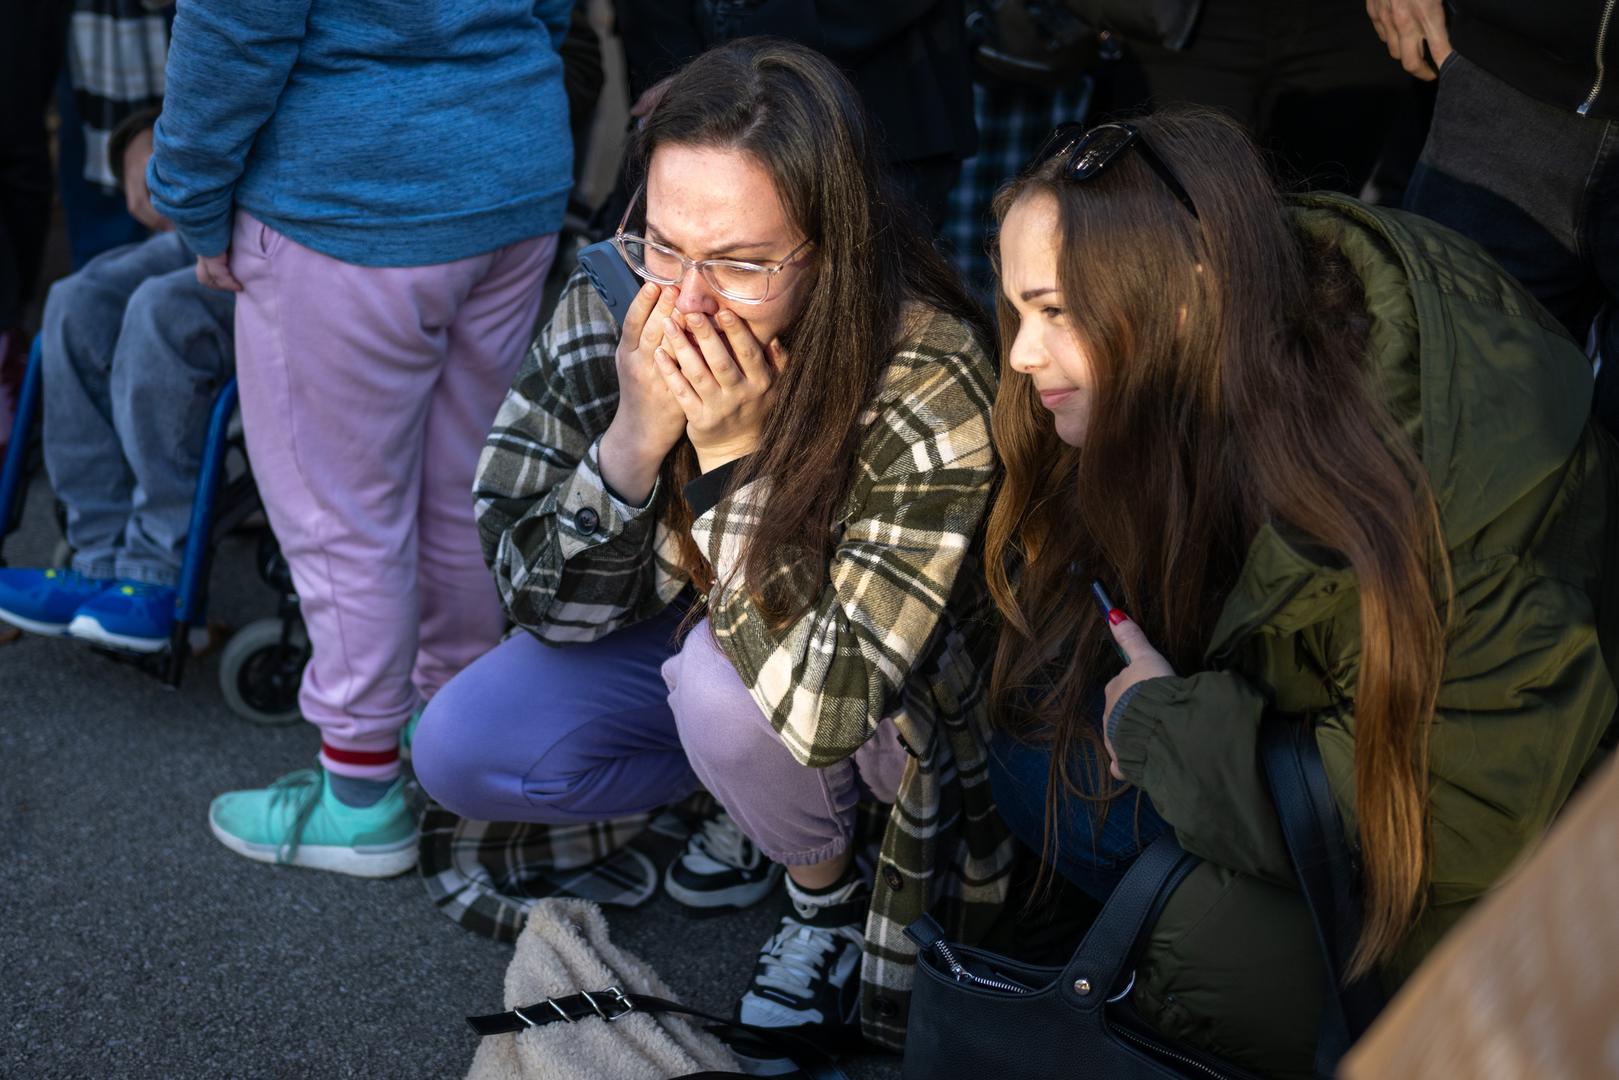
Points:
(613, 1004)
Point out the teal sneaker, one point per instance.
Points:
(45, 601)
(130, 615)
(297, 821)
(407, 735)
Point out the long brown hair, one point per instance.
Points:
(1231, 390)
(799, 117)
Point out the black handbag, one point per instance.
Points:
(978, 1014)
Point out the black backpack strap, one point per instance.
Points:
(1327, 877)
(613, 1004)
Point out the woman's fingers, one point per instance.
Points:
(1129, 636)
(677, 344)
(679, 387)
(640, 309)
(714, 348)
(652, 333)
(750, 357)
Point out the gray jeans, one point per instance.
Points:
(134, 351)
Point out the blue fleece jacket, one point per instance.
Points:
(379, 132)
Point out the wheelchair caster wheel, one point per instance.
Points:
(259, 676)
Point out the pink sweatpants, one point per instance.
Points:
(366, 396)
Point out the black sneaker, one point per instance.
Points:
(808, 974)
(720, 869)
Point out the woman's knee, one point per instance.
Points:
(447, 756)
(720, 725)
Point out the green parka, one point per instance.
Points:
(1497, 399)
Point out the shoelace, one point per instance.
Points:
(795, 956)
(305, 786)
(720, 838)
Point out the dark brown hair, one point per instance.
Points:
(1231, 390)
(797, 115)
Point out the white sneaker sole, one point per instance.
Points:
(33, 627)
(381, 861)
(84, 628)
(736, 898)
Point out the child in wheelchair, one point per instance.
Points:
(134, 350)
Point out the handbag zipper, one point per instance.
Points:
(963, 975)
(1602, 43)
(1148, 1044)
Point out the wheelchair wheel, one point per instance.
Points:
(259, 676)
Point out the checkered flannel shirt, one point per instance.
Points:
(902, 625)
(1013, 123)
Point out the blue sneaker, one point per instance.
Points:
(298, 821)
(127, 615)
(45, 601)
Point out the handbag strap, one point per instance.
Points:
(614, 1004)
(1326, 874)
(1111, 943)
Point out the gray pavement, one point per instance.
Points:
(133, 945)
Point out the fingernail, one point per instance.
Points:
(727, 318)
(1116, 617)
(695, 321)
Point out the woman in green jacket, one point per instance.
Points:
(1333, 464)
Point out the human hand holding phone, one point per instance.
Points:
(1141, 662)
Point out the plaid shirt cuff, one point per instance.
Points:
(589, 514)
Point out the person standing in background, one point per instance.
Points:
(1307, 77)
(908, 59)
(1523, 155)
(381, 183)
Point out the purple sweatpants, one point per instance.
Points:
(628, 723)
(366, 396)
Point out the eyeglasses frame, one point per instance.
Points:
(1071, 140)
(686, 264)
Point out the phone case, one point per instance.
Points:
(615, 282)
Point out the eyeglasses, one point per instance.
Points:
(735, 279)
(1090, 152)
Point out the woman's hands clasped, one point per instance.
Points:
(723, 379)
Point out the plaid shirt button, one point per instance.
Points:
(586, 520)
(892, 876)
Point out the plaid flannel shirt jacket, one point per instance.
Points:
(902, 625)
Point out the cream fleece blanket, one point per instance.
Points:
(562, 950)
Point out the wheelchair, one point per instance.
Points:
(262, 664)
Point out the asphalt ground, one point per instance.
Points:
(132, 944)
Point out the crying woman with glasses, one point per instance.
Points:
(738, 531)
(1327, 464)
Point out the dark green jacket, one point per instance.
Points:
(1496, 398)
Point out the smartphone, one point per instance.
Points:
(615, 282)
(1105, 602)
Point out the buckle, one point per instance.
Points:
(617, 998)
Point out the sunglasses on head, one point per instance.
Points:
(1089, 152)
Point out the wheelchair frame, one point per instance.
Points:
(219, 506)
